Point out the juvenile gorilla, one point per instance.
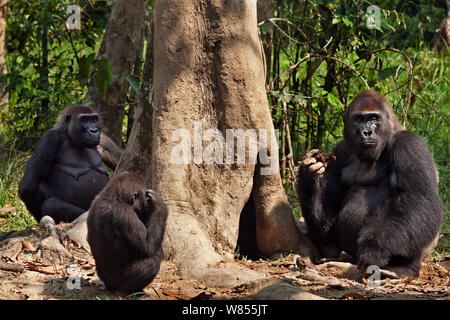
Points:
(65, 172)
(126, 225)
(379, 200)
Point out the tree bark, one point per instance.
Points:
(441, 40)
(265, 11)
(138, 151)
(119, 45)
(209, 77)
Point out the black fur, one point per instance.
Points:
(126, 226)
(65, 171)
(378, 202)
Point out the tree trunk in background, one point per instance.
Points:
(120, 44)
(3, 70)
(208, 72)
(137, 75)
(442, 38)
(138, 152)
(265, 11)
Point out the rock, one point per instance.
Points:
(13, 247)
(51, 243)
(48, 227)
(284, 291)
(78, 232)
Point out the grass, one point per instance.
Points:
(12, 165)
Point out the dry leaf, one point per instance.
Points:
(42, 268)
(28, 246)
(354, 296)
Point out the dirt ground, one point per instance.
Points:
(43, 270)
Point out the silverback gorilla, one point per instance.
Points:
(65, 172)
(126, 226)
(378, 201)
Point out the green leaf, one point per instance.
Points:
(332, 99)
(336, 20)
(133, 83)
(84, 71)
(386, 73)
(347, 22)
(285, 97)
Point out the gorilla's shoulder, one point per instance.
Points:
(407, 141)
(409, 150)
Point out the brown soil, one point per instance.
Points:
(324, 157)
(45, 275)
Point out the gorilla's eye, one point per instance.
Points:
(358, 119)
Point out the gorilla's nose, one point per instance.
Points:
(93, 130)
(367, 133)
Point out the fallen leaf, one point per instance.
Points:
(42, 268)
(354, 296)
(28, 246)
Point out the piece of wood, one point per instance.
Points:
(11, 267)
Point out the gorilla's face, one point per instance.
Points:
(83, 127)
(90, 129)
(367, 129)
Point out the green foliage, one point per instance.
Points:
(12, 164)
(43, 73)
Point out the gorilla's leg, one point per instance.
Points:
(138, 274)
(404, 267)
(60, 210)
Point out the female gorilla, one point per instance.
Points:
(65, 172)
(379, 200)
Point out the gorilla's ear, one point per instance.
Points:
(67, 118)
(135, 195)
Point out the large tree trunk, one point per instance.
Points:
(209, 75)
(120, 44)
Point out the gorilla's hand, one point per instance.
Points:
(153, 200)
(311, 164)
(375, 256)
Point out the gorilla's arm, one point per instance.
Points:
(124, 227)
(320, 197)
(410, 218)
(38, 168)
(109, 151)
(157, 223)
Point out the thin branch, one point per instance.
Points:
(345, 63)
